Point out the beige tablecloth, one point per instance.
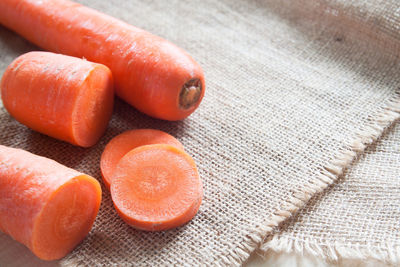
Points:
(295, 92)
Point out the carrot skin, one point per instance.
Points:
(150, 73)
(64, 97)
(125, 142)
(44, 205)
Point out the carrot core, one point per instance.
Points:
(190, 93)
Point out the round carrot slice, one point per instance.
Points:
(156, 187)
(125, 142)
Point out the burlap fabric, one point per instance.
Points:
(292, 96)
(357, 218)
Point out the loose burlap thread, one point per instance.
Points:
(291, 100)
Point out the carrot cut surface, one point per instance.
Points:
(151, 73)
(61, 96)
(44, 205)
(156, 187)
(125, 142)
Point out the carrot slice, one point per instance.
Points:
(61, 96)
(151, 73)
(156, 187)
(44, 205)
(125, 142)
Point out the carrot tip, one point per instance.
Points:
(190, 93)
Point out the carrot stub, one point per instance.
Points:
(156, 187)
(44, 205)
(125, 142)
(61, 96)
(150, 73)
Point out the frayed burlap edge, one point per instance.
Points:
(387, 253)
(332, 171)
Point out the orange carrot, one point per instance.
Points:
(44, 205)
(64, 97)
(152, 74)
(125, 142)
(156, 187)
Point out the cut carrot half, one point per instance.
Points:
(61, 96)
(125, 142)
(44, 205)
(156, 187)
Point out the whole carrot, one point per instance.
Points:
(152, 74)
(64, 97)
(44, 205)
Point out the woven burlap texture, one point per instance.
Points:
(358, 217)
(292, 97)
